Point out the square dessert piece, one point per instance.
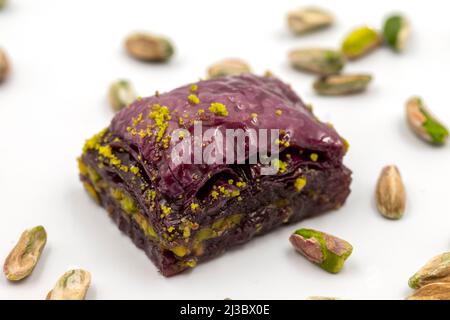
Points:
(182, 213)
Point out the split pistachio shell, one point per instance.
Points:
(305, 20)
(338, 85)
(424, 123)
(327, 251)
(390, 193)
(396, 32)
(228, 67)
(23, 258)
(360, 42)
(436, 270)
(4, 65)
(149, 47)
(319, 61)
(432, 291)
(121, 94)
(73, 285)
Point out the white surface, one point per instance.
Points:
(65, 54)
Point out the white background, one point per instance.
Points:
(65, 54)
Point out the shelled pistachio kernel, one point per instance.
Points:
(121, 94)
(360, 42)
(327, 251)
(149, 47)
(23, 258)
(4, 65)
(228, 67)
(432, 291)
(3, 3)
(396, 32)
(390, 193)
(73, 285)
(319, 61)
(424, 124)
(344, 84)
(436, 270)
(309, 19)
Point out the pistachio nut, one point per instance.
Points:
(436, 270)
(327, 251)
(321, 298)
(4, 65)
(390, 193)
(432, 291)
(424, 123)
(309, 19)
(360, 42)
(228, 67)
(121, 94)
(149, 47)
(396, 32)
(319, 61)
(23, 258)
(73, 285)
(338, 85)
(3, 3)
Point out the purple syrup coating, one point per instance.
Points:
(242, 96)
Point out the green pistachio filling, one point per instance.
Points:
(130, 207)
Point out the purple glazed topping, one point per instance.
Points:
(274, 103)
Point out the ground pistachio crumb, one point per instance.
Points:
(280, 165)
(193, 99)
(219, 109)
(299, 184)
(195, 206)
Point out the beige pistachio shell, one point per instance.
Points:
(309, 19)
(390, 193)
(432, 291)
(320, 61)
(436, 270)
(121, 94)
(73, 285)
(228, 67)
(23, 258)
(4, 65)
(343, 84)
(149, 47)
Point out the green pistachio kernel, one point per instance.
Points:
(327, 251)
(319, 61)
(360, 42)
(338, 85)
(396, 32)
(424, 124)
